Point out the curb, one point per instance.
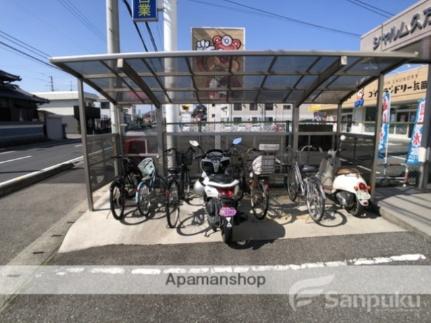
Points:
(388, 215)
(18, 183)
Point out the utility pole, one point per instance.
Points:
(51, 83)
(170, 44)
(113, 46)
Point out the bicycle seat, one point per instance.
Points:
(173, 170)
(308, 169)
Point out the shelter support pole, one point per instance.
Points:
(83, 125)
(160, 141)
(295, 128)
(339, 107)
(426, 136)
(170, 41)
(377, 132)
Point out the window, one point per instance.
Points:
(237, 119)
(237, 107)
(269, 106)
(287, 106)
(254, 119)
(269, 119)
(253, 107)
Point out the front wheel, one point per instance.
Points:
(173, 204)
(292, 185)
(315, 201)
(356, 209)
(117, 199)
(144, 199)
(259, 201)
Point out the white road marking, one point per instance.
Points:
(15, 159)
(74, 160)
(79, 145)
(7, 152)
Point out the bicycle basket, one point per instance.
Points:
(147, 167)
(263, 165)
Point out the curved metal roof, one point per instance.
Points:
(230, 76)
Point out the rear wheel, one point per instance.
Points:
(292, 185)
(259, 201)
(226, 233)
(315, 201)
(356, 209)
(173, 204)
(117, 199)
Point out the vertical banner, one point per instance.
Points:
(415, 141)
(384, 132)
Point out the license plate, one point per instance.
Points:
(227, 211)
(363, 195)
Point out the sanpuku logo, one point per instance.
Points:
(302, 292)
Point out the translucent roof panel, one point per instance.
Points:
(230, 76)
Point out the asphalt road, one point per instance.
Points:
(221, 308)
(26, 214)
(20, 160)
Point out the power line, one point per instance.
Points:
(21, 43)
(81, 17)
(374, 7)
(151, 36)
(364, 6)
(294, 19)
(27, 55)
(129, 9)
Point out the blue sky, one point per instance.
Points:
(48, 26)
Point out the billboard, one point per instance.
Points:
(207, 39)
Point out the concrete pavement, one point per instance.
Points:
(286, 220)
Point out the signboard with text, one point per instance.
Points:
(384, 132)
(145, 10)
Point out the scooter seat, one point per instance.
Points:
(308, 169)
(346, 170)
(222, 180)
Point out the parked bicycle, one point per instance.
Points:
(151, 193)
(303, 182)
(178, 182)
(124, 186)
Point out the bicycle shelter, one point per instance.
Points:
(216, 77)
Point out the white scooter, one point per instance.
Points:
(219, 190)
(345, 185)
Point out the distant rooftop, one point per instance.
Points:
(65, 95)
(7, 77)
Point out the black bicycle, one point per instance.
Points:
(124, 186)
(178, 182)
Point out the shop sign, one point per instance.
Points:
(145, 10)
(416, 139)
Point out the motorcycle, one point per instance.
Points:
(219, 190)
(344, 185)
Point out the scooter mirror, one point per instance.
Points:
(237, 141)
(342, 137)
(194, 143)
